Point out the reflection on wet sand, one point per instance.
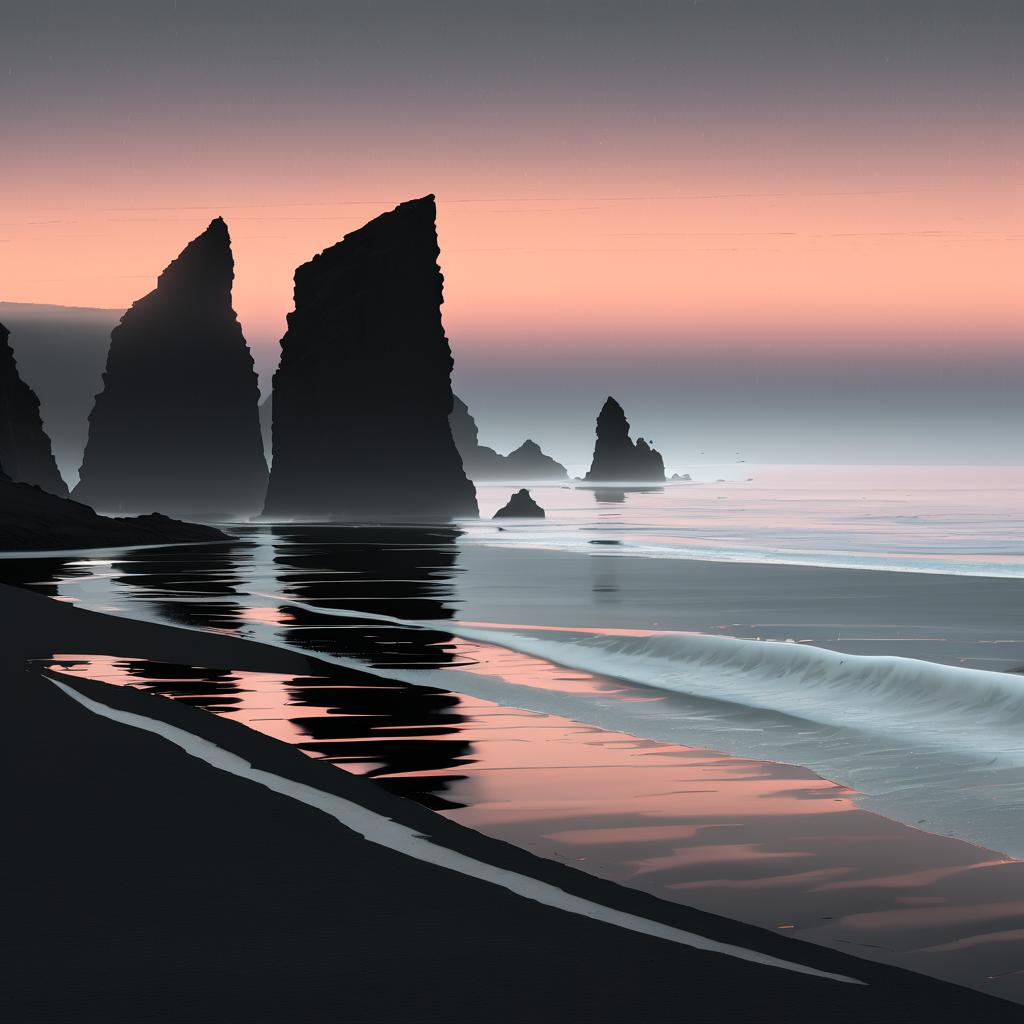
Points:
(407, 737)
(762, 842)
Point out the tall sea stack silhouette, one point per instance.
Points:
(176, 426)
(25, 452)
(363, 392)
(618, 458)
(527, 462)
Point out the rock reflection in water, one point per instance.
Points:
(401, 572)
(199, 586)
(408, 738)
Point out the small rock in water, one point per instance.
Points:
(520, 506)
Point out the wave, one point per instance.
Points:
(885, 694)
(934, 704)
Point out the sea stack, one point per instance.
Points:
(176, 426)
(617, 457)
(528, 462)
(363, 392)
(25, 452)
(520, 506)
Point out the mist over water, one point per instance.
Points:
(766, 398)
(937, 519)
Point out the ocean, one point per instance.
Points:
(751, 694)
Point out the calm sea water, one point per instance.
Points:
(944, 519)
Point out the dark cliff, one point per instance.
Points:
(363, 392)
(527, 462)
(31, 519)
(616, 456)
(176, 427)
(25, 452)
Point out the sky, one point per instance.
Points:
(788, 229)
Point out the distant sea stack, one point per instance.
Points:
(176, 426)
(363, 392)
(25, 452)
(527, 462)
(617, 457)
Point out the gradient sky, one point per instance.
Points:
(741, 217)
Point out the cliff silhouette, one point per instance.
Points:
(363, 392)
(25, 452)
(61, 352)
(176, 427)
(32, 519)
(616, 456)
(527, 462)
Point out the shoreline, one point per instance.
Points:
(64, 759)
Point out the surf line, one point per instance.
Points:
(384, 831)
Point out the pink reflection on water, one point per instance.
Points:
(524, 670)
(256, 699)
(268, 616)
(917, 918)
(799, 879)
(1014, 935)
(767, 843)
(692, 856)
(917, 878)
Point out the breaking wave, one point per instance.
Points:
(930, 703)
(944, 703)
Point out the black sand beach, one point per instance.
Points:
(150, 886)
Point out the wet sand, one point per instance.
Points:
(150, 886)
(767, 843)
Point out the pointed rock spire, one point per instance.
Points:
(616, 456)
(25, 452)
(363, 392)
(176, 426)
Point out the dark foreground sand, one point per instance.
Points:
(145, 885)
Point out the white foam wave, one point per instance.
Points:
(885, 694)
(939, 705)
